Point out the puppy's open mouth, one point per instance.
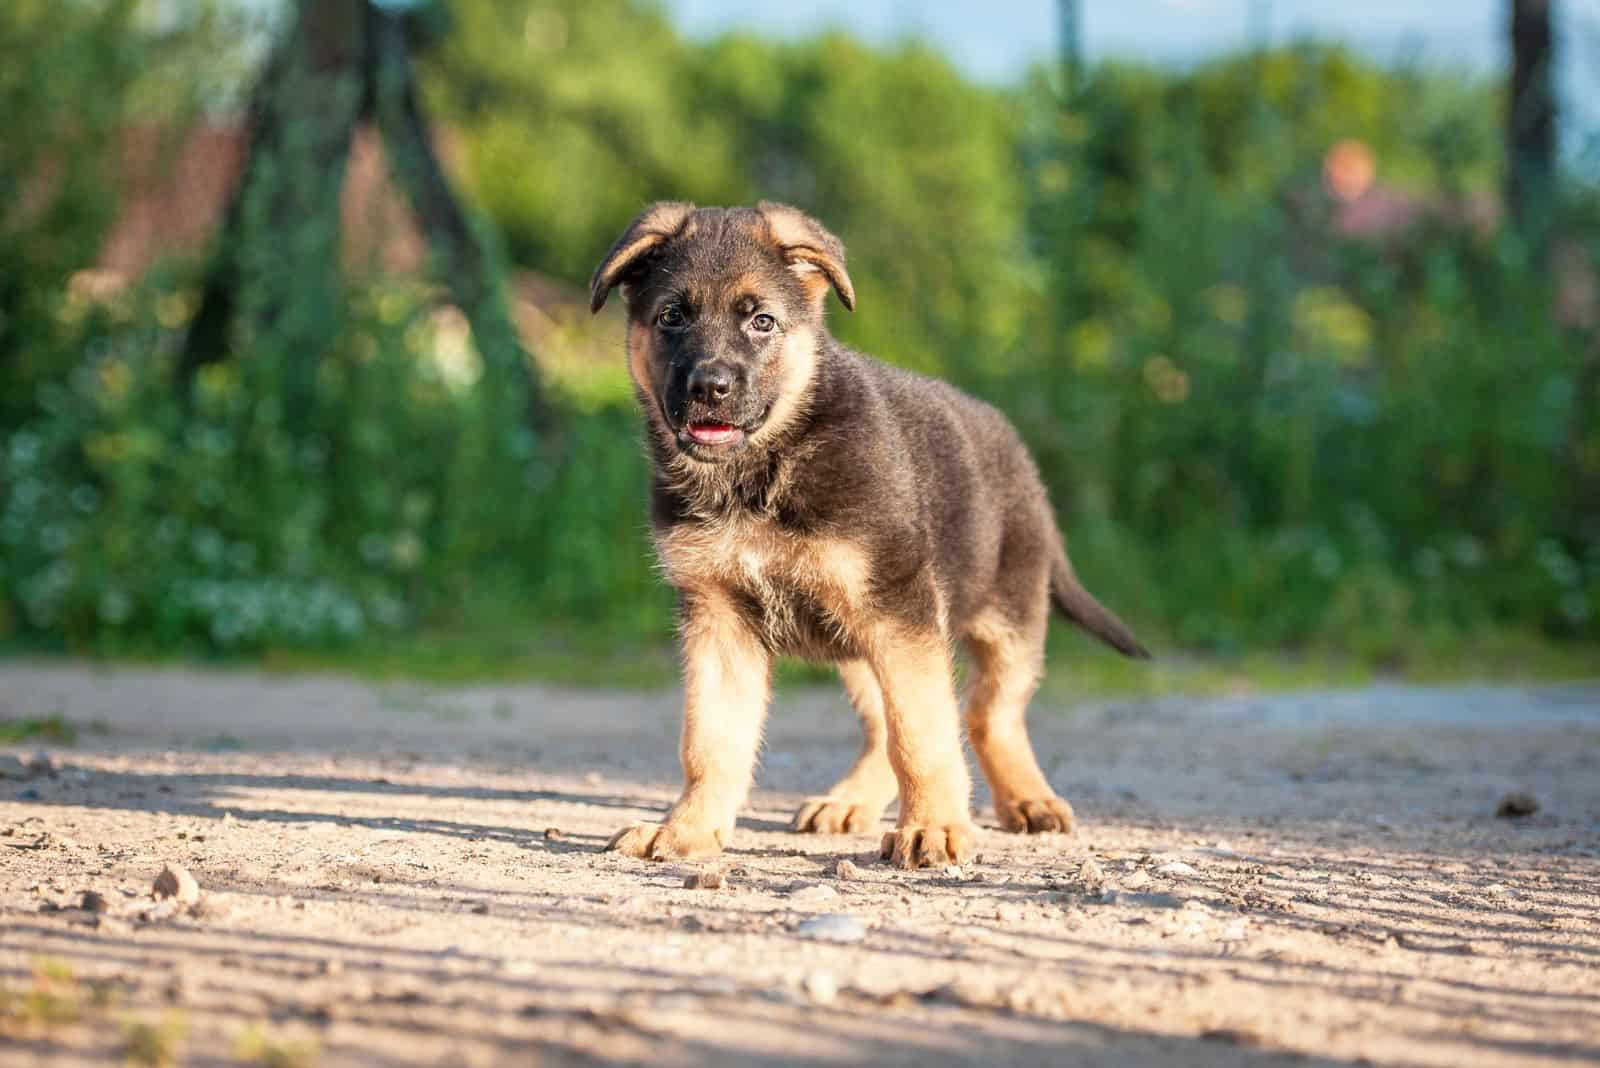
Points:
(714, 432)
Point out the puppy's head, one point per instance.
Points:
(725, 310)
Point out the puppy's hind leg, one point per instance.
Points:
(1008, 658)
(856, 802)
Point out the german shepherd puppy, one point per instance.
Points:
(808, 500)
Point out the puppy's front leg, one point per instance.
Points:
(725, 684)
(935, 825)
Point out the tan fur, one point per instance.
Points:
(641, 347)
(924, 746)
(799, 364)
(658, 223)
(814, 255)
(755, 555)
(856, 802)
(726, 683)
(1007, 665)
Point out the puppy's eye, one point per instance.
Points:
(763, 323)
(671, 317)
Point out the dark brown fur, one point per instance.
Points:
(867, 514)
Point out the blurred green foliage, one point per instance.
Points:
(1259, 433)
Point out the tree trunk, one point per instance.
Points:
(302, 115)
(1531, 119)
(463, 255)
(342, 62)
(1071, 45)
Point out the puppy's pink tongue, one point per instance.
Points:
(710, 433)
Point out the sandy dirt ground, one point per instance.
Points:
(400, 875)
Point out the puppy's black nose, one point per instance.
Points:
(710, 383)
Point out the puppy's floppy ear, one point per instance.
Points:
(811, 250)
(650, 230)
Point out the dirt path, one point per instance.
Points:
(1310, 880)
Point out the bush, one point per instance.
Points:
(1259, 433)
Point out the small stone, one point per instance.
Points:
(1176, 868)
(1231, 1036)
(812, 895)
(1516, 805)
(821, 988)
(1149, 901)
(1091, 877)
(1136, 880)
(161, 910)
(93, 901)
(846, 869)
(41, 763)
(706, 879)
(832, 927)
(953, 871)
(176, 882)
(552, 834)
(480, 908)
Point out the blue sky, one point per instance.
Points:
(996, 40)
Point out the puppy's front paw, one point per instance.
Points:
(1035, 815)
(928, 845)
(836, 815)
(665, 841)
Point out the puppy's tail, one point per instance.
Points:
(1078, 605)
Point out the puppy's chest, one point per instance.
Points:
(804, 593)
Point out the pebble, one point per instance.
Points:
(1517, 804)
(1157, 901)
(552, 834)
(1091, 876)
(821, 988)
(812, 895)
(1137, 880)
(176, 882)
(705, 879)
(832, 927)
(93, 901)
(1231, 1036)
(1177, 867)
(846, 869)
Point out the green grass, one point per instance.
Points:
(1077, 668)
(52, 728)
(498, 643)
(576, 658)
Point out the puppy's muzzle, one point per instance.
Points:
(713, 408)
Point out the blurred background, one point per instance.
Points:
(1295, 302)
